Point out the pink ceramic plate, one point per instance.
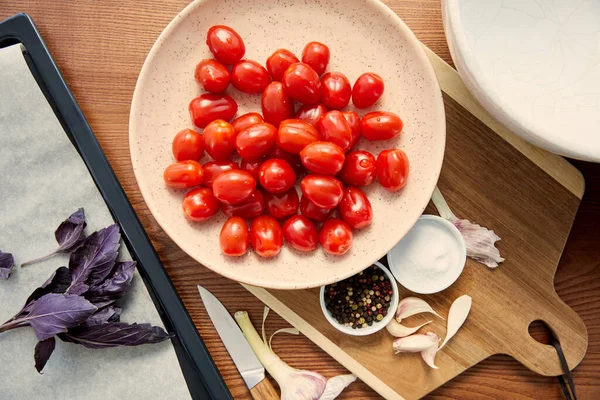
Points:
(362, 36)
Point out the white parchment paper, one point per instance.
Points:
(42, 181)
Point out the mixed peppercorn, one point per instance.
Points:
(360, 300)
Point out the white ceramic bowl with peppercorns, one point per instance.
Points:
(351, 297)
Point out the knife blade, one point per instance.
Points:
(237, 346)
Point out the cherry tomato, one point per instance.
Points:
(316, 55)
(324, 191)
(184, 174)
(292, 159)
(279, 61)
(188, 145)
(281, 205)
(251, 208)
(212, 76)
(323, 158)
(234, 187)
(301, 233)
(245, 121)
(276, 175)
(335, 129)
(335, 237)
(226, 44)
(295, 134)
(335, 90)
(392, 169)
(312, 211)
(367, 89)
(219, 140)
(234, 238)
(381, 125)
(208, 107)
(266, 236)
(354, 122)
(251, 167)
(276, 104)
(302, 83)
(359, 169)
(355, 208)
(213, 169)
(311, 113)
(200, 204)
(256, 141)
(249, 77)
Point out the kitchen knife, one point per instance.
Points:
(237, 346)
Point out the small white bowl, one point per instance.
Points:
(377, 326)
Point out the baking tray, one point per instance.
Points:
(200, 372)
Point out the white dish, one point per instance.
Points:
(377, 326)
(534, 65)
(433, 245)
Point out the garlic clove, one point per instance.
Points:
(459, 310)
(398, 330)
(414, 343)
(335, 386)
(413, 305)
(429, 354)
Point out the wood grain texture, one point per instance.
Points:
(264, 390)
(100, 48)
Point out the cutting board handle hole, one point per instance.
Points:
(540, 331)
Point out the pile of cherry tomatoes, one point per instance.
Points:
(281, 146)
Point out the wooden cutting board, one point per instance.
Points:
(529, 198)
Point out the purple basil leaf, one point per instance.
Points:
(69, 233)
(7, 262)
(115, 285)
(108, 314)
(113, 334)
(94, 260)
(59, 282)
(43, 351)
(53, 313)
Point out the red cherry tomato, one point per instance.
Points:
(184, 174)
(323, 158)
(335, 129)
(234, 187)
(311, 113)
(301, 233)
(316, 55)
(367, 89)
(335, 237)
(381, 125)
(251, 208)
(355, 124)
(212, 76)
(392, 169)
(213, 169)
(335, 90)
(200, 204)
(279, 61)
(281, 205)
(256, 141)
(266, 236)
(208, 107)
(292, 159)
(312, 211)
(251, 167)
(226, 44)
(249, 77)
(188, 145)
(234, 238)
(246, 121)
(276, 175)
(276, 104)
(359, 169)
(324, 191)
(219, 140)
(302, 83)
(355, 208)
(295, 134)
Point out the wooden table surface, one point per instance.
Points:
(100, 46)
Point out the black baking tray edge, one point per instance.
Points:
(201, 374)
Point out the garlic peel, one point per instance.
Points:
(415, 343)
(428, 355)
(335, 386)
(459, 310)
(409, 306)
(291, 331)
(398, 330)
